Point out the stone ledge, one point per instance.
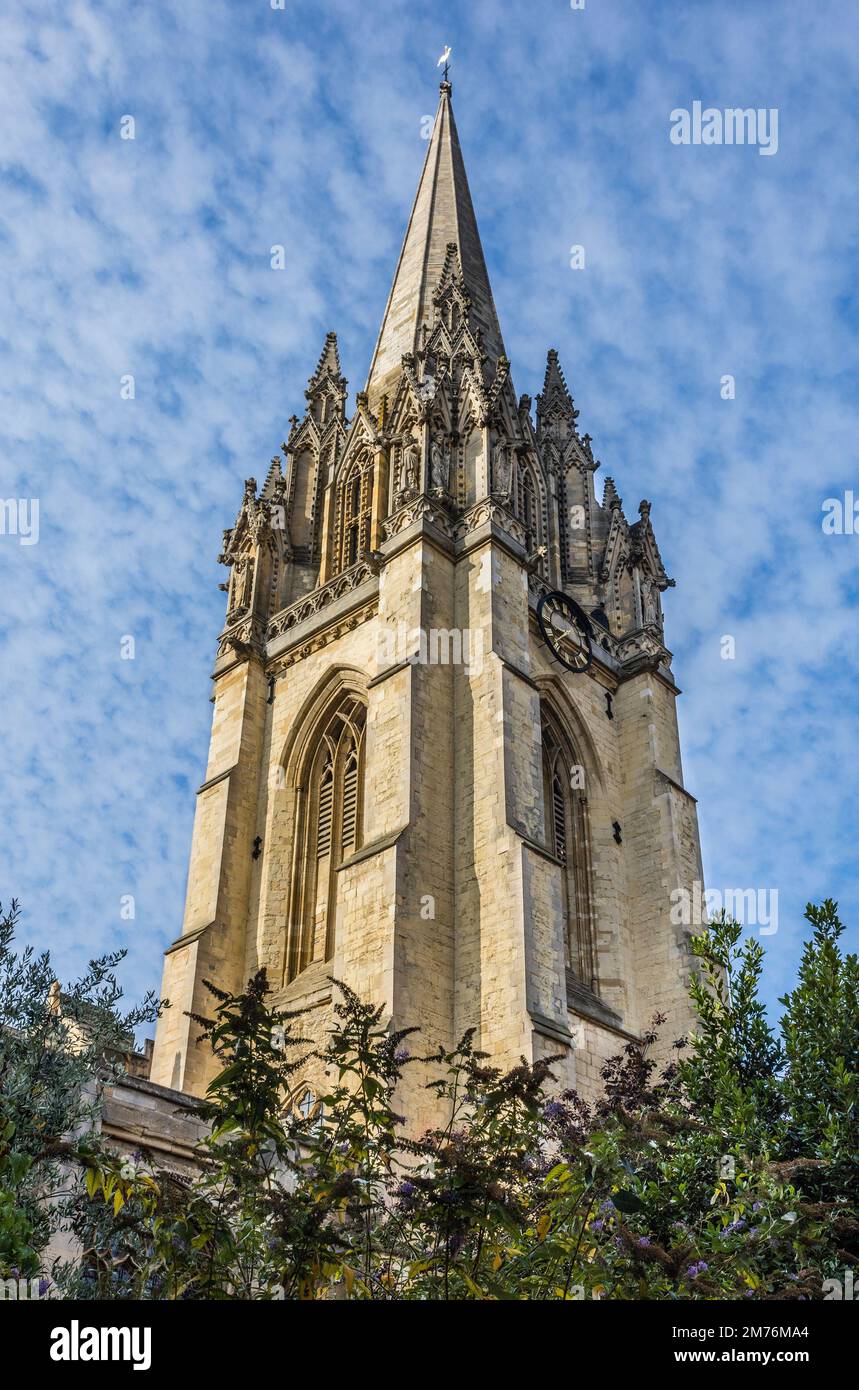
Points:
(676, 785)
(389, 671)
(542, 850)
(315, 624)
(551, 1028)
(421, 519)
(586, 1004)
(139, 1114)
(523, 675)
(309, 989)
(188, 939)
(374, 847)
(219, 777)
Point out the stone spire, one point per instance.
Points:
(328, 364)
(555, 399)
(442, 214)
(556, 414)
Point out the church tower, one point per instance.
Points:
(406, 788)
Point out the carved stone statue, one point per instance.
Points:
(502, 469)
(242, 586)
(439, 465)
(410, 467)
(649, 602)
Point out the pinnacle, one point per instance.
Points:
(554, 382)
(329, 360)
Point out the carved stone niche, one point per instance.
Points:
(502, 469)
(440, 464)
(241, 587)
(407, 468)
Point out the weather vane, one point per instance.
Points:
(445, 59)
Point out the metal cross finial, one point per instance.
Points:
(445, 57)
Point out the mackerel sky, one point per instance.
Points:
(303, 127)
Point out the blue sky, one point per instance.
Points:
(302, 127)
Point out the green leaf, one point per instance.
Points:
(627, 1202)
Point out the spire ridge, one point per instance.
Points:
(442, 216)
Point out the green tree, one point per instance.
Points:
(57, 1053)
(730, 1173)
(820, 1033)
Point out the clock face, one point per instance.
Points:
(566, 630)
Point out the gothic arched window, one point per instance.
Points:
(529, 507)
(568, 838)
(330, 813)
(355, 505)
(527, 500)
